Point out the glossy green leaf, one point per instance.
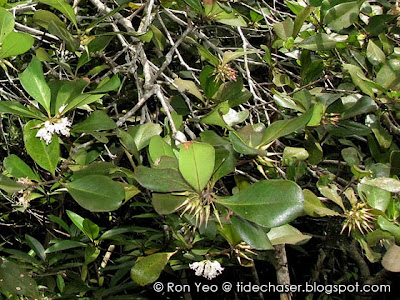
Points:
(16, 108)
(62, 245)
(388, 76)
(374, 54)
(342, 15)
(253, 234)
(284, 127)
(16, 43)
(319, 42)
(386, 225)
(90, 229)
(97, 45)
(76, 219)
(98, 120)
(18, 168)
(361, 106)
(32, 80)
(359, 79)
(158, 38)
(388, 184)
(196, 163)
(376, 197)
(284, 29)
(167, 203)
(63, 33)
(195, 4)
(82, 100)
(36, 246)
(147, 269)
(97, 193)
(207, 81)
(16, 280)
(300, 18)
(68, 90)
(142, 134)
(108, 85)
(64, 8)
(44, 18)
(241, 147)
(264, 203)
(161, 180)
(46, 156)
(314, 207)
(6, 23)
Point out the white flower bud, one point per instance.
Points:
(206, 268)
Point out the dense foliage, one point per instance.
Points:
(141, 141)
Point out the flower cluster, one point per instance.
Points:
(58, 126)
(225, 72)
(206, 268)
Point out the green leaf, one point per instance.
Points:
(9, 185)
(98, 120)
(284, 127)
(32, 80)
(361, 106)
(376, 197)
(158, 147)
(97, 45)
(196, 163)
(16, 281)
(16, 108)
(62, 245)
(158, 38)
(18, 168)
(82, 100)
(374, 54)
(16, 43)
(142, 134)
(64, 8)
(300, 18)
(36, 246)
(207, 81)
(76, 219)
(108, 85)
(188, 86)
(62, 32)
(342, 15)
(166, 204)
(287, 234)
(314, 207)
(284, 29)
(319, 42)
(293, 154)
(388, 184)
(195, 4)
(359, 79)
(386, 225)
(46, 156)
(161, 180)
(388, 76)
(90, 229)
(6, 23)
(44, 18)
(97, 193)
(91, 253)
(148, 269)
(264, 203)
(253, 234)
(68, 90)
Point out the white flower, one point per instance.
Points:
(45, 135)
(207, 268)
(60, 126)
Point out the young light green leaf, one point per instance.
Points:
(16, 43)
(264, 203)
(287, 234)
(32, 80)
(6, 23)
(196, 163)
(97, 193)
(148, 269)
(143, 133)
(46, 156)
(158, 147)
